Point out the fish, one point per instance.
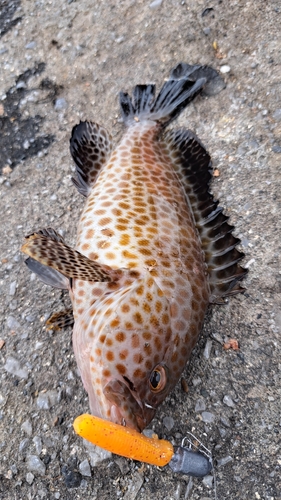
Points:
(153, 250)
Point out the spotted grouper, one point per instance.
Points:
(153, 250)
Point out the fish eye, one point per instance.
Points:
(157, 380)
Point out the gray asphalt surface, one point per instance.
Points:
(65, 61)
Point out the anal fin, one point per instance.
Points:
(90, 147)
(60, 320)
(194, 169)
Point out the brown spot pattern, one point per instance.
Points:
(136, 217)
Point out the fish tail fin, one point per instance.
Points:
(185, 83)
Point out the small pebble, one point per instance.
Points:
(189, 488)
(38, 345)
(27, 427)
(38, 444)
(23, 445)
(122, 464)
(29, 477)
(276, 149)
(225, 68)
(208, 481)
(43, 401)
(200, 405)
(222, 432)
(208, 417)
(177, 492)
(54, 397)
(30, 45)
(34, 464)
(12, 323)
(60, 104)
(70, 375)
(13, 287)
(2, 400)
(206, 31)
(85, 468)
(9, 474)
(71, 478)
(26, 144)
(277, 114)
(13, 305)
(224, 460)
(96, 453)
(196, 381)
(134, 486)
(216, 336)
(13, 366)
(30, 318)
(207, 349)
(169, 423)
(21, 85)
(237, 478)
(228, 401)
(155, 4)
(14, 469)
(148, 433)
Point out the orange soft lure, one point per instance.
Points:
(123, 440)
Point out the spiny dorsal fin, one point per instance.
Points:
(194, 169)
(90, 147)
(185, 83)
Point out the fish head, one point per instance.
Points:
(134, 401)
(124, 355)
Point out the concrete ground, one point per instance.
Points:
(64, 61)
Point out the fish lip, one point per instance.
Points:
(126, 408)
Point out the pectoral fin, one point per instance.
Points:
(48, 275)
(69, 262)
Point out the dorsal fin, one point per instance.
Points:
(194, 169)
(90, 147)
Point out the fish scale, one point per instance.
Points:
(153, 250)
(139, 204)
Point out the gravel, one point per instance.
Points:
(36, 465)
(65, 61)
(14, 367)
(169, 423)
(84, 468)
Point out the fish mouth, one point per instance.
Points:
(126, 409)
